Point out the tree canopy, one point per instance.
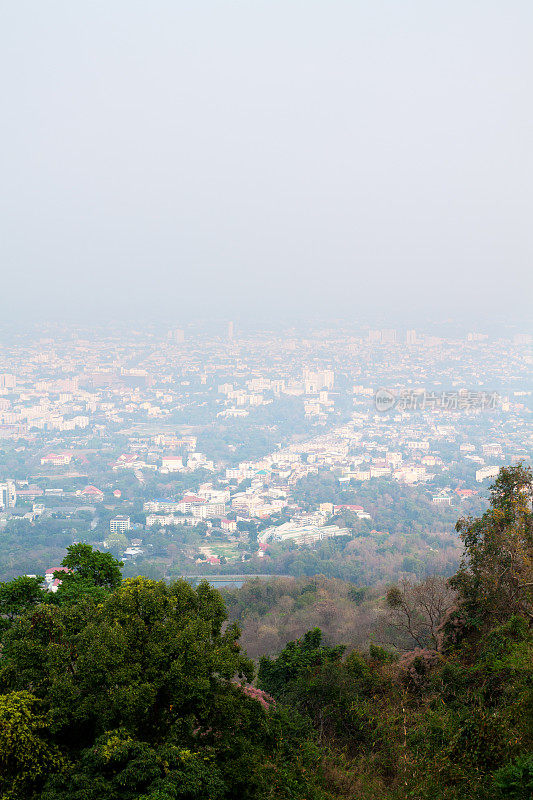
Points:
(86, 564)
(138, 690)
(144, 695)
(495, 577)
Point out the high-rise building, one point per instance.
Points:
(522, 338)
(176, 335)
(8, 495)
(314, 382)
(410, 337)
(7, 381)
(230, 330)
(384, 336)
(388, 336)
(119, 524)
(328, 376)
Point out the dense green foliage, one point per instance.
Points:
(127, 689)
(140, 694)
(450, 723)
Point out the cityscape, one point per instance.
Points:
(266, 398)
(234, 452)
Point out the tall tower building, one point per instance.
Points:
(410, 337)
(8, 495)
(177, 335)
(388, 336)
(7, 381)
(230, 330)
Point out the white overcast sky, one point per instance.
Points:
(241, 158)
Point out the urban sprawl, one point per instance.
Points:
(191, 453)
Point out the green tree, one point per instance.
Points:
(26, 755)
(496, 576)
(91, 566)
(296, 662)
(20, 594)
(146, 693)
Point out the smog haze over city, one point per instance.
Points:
(266, 160)
(266, 524)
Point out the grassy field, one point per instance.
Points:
(221, 548)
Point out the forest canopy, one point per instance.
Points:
(124, 689)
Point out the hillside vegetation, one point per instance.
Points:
(136, 689)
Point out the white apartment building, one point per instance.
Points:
(214, 495)
(314, 382)
(486, 472)
(119, 524)
(164, 506)
(164, 519)
(8, 495)
(379, 472)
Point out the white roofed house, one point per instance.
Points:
(56, 459)
(190, 501)
(301, 534)
(127, 461)
(171, 464)
(197, 460)
(52, 583)
(441, 499)
(131, 552)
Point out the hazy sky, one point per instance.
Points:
(242, 158)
